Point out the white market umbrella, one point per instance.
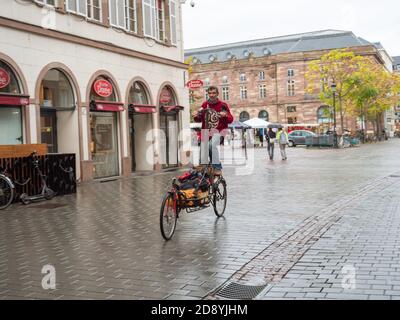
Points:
(257, 123)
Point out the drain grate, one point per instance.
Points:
(49, 206)
(238, 291)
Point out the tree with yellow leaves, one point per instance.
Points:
(376, 91)
(336, 67)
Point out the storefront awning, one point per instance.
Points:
(172, 108)
(142, 108)
(97, 105)
(14, 100)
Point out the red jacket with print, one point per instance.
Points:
(219, 106)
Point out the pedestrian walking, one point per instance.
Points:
(271, 137)
(261, 135)
(283, 140)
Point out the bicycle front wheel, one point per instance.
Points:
(168, 216)
(6, 193)
(220, 196)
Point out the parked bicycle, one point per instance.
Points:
(46, 192)
(193, 191)
(7, 189)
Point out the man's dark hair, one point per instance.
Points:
(212, 88)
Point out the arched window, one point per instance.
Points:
(325, 114)
(8, 80)
(56, 91)
(167, 97)
(138, 94)
(103, 90)
(244, 116)
(263, 114)
(10, 112)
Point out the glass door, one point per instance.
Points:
(132, 133)
(48, 125)
(104, 144)
(169, 141)
(10, 125)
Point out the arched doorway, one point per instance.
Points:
(244, 116)
(140, 123)
(12, 100)
(325, 117)
(169, 125)
(58, 123)
(263, 114)
(104, 109)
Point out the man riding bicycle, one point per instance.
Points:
(215, 116)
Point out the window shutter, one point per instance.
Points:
(172, 15)
(147, 18)
(113, 12)
(82, 7)
(121, 13)
(71, 5)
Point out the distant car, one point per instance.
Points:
(298, 137)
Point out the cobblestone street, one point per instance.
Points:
(294, 224)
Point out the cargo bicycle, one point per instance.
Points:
(195, 190)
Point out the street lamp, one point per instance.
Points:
(333, 87)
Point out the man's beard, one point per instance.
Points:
(212, 100)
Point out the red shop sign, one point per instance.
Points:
(165, 96)
(4, 78)
(195, 84)
(103, 88)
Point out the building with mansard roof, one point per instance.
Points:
(266, 77)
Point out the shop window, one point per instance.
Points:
(56, 91)
(108, 96)
(291, 109)
(8, 80)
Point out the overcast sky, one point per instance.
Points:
(212, 22)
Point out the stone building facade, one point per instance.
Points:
(96, 78)
(266, 78)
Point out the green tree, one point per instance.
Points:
(376, 92)
(336, 67)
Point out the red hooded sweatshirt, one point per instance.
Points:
(218, 106)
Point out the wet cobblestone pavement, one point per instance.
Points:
(311, 215)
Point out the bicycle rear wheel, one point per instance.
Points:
(168, 216)
(220, 196)
(6, 193)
